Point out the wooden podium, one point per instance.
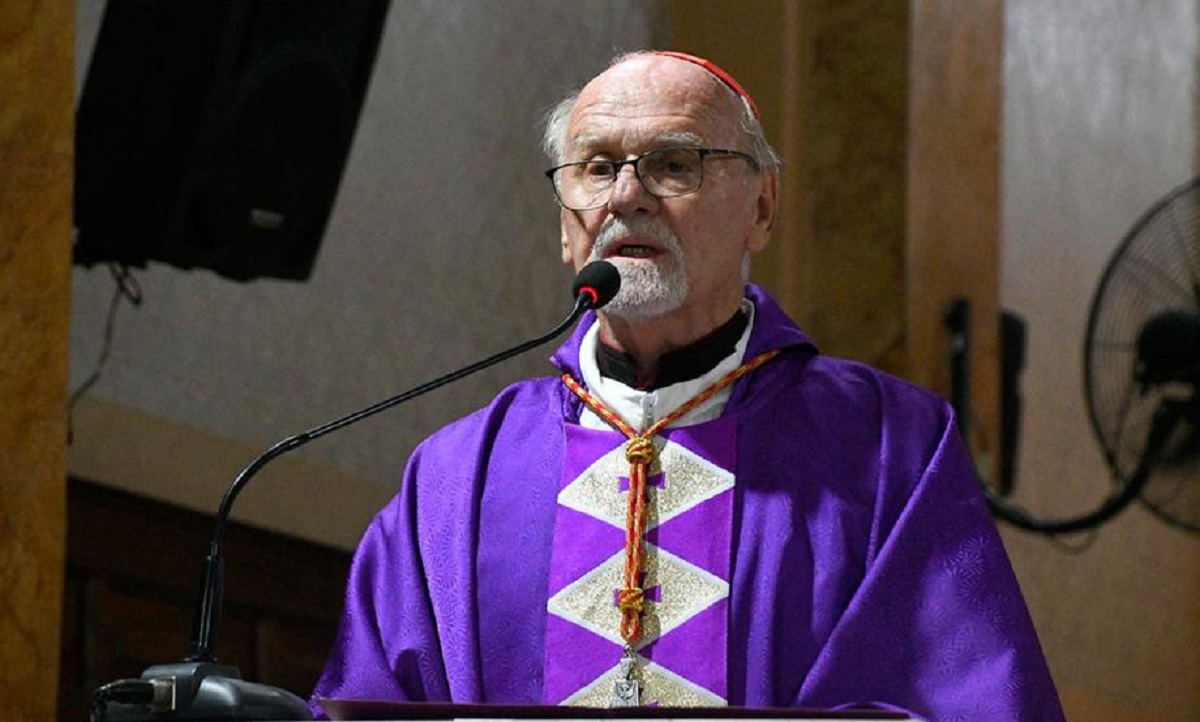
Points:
(352, 709)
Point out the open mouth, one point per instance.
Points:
(636, 250)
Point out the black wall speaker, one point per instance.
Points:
(213, 133)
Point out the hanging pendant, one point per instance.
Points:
(627, 691)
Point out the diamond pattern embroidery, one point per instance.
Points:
(687, 590)
(660, 687)
(686, 560)
(692, 480)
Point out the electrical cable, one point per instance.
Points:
(127, 287)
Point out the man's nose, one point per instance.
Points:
(628, 194)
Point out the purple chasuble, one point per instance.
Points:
(865, 571)
(689, 507)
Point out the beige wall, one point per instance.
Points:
(443, 226)
(1100, 122)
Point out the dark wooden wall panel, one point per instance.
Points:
(133, 572)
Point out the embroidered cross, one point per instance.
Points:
(653, 594)
(659, 481)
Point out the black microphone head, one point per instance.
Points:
(598, 282)
(1168, 348)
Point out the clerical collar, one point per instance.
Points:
(681, 364)
(640, 409)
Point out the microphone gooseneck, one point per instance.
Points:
(594, 286)
(199, 687)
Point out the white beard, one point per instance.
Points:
(649, 288)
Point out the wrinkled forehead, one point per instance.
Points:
(645, 97)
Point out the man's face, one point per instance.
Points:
(679, 255)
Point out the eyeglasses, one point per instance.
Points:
(665, 173)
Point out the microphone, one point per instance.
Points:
(599, 279)
(200, 688)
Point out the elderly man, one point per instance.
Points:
(701, 509)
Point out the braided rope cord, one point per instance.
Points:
(640, 452)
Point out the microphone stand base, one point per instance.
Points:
(204, 691)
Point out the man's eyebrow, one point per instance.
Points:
(591, 141)
(682, 137)
(584, 142)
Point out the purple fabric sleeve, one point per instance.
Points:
(938, 626)
(383, 613)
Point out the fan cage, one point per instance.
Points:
(1156, 268)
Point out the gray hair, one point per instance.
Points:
(554, 128)
(554, 136)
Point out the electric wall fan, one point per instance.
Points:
(1142, 357)
(1141, 365)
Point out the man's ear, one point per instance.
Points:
(766, 208)
(563, 241)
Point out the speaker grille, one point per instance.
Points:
(213, 134)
